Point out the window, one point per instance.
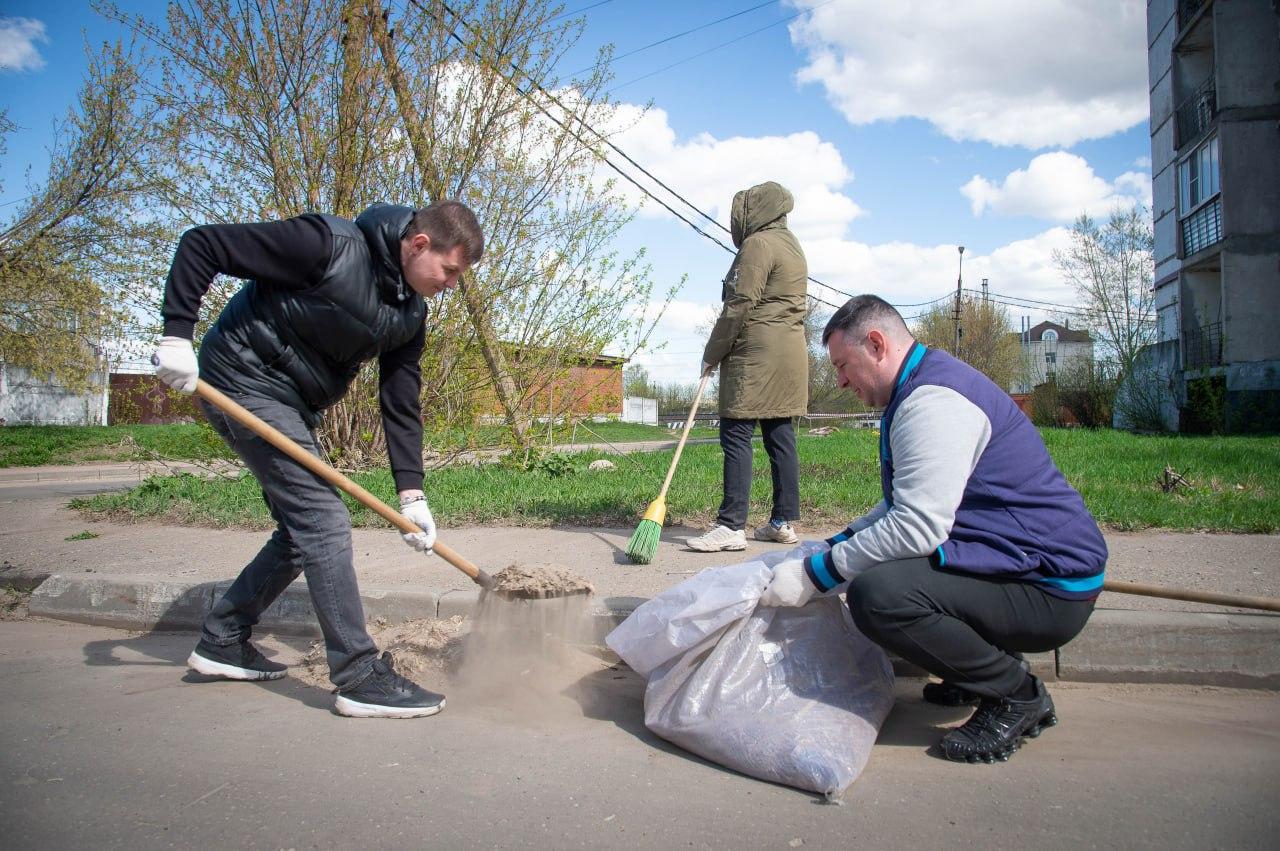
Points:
(1050, 358)
(1198, 176)
(1050, 336)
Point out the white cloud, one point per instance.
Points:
(1009, 72)
(18, 39)
(708, 171)
(1059, 187)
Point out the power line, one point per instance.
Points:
(672, 38)
(581, 121)
(577, 11)
(718, 46)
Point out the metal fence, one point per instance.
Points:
(1195, 113)
(1203, 346)
(1202, 228)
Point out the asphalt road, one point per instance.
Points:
(23, 491)
(106, 743)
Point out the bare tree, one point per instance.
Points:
(75, 257)
(278, 107)
(1111, 267)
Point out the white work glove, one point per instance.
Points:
(420, 513)
(175, 363)
(790, 585)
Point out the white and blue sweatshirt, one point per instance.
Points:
(968, 483)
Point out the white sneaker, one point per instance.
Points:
(719, 539)
(783, 534)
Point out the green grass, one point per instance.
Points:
(1236, 486)
(34, 446)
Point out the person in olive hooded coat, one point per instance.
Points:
(759, 345)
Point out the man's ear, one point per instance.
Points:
(878, 345)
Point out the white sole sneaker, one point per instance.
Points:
(355, 709)
(210, 668)
(732, 545)
(777, 536)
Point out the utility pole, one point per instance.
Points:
(984, 291)
(959, 286)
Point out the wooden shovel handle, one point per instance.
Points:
(1269, 604)
(290, 447)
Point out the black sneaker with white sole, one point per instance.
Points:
(240, 661)
(386, 694)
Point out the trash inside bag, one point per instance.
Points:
(789, 695)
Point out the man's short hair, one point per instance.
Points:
(448, 224)
(860, 314)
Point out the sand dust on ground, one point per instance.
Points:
(539, 582)
(418, 647)
(13, 604)
(529, 661)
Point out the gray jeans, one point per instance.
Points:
(312, 537)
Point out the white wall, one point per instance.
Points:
(27, 400)
(636, 409)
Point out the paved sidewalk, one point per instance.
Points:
(148, 568)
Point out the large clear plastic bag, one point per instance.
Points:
(789, 695)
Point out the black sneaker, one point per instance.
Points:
(233, 662)
(947, 693)
(996, 729)
(386, 694)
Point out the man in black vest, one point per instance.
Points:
(323, 295)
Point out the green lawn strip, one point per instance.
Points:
(34, 446)
(1235, 486)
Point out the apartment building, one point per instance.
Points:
(1215, 148)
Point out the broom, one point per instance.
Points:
(644, 542)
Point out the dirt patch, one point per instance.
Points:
(13, 604)
(417, 646)
(539, 582)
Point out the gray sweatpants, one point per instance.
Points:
(312, 537)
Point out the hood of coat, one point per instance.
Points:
(383, 225)
(757, 208)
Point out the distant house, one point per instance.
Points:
(1048, 350)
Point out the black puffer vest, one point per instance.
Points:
(304, 347)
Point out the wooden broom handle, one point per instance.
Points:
(684, 435)
(290, 447)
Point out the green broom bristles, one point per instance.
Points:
(644, 542)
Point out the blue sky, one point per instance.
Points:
(904, 129)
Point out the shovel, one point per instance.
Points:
(289, 447)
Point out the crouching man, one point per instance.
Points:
(979, 551)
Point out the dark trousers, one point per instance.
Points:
(780, 444)
(312, 536)
(965, 629)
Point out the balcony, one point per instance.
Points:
(1202, 228)
(1187, 10)
(1203, 346)
(1196, 113)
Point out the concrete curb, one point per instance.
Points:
(1240, 650)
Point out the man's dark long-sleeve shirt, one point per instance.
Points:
(294, 254)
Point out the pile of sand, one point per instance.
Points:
(539, 582)
(416, 646)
